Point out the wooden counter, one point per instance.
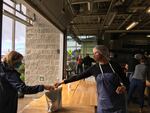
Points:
(77, 97)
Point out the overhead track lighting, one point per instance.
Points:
(148, 10)
(132, 25)
(89, 6)
(148, 36)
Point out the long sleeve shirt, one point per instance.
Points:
(13, 78)
(95, 70)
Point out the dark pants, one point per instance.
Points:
(79, 68)
(129, 76)
(138, 85)
(149, 96)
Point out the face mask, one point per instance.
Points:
(18, 64)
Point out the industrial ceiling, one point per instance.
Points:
(117, 18)
(92, 17)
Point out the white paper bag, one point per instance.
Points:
(54, 100)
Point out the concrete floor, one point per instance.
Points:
(134, 108)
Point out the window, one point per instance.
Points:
(6, 35)
(7, 29)
(20, 37)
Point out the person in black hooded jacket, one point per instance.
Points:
(11, 83)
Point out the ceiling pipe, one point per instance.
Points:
(125, 21)
(145, 24)
(101, 0)
(100, 30)
(83, 2)
(109, 9)
(125, 31)
(75, 37)
(117, 31)
(127, 5)
(112, 18)
(69, 3)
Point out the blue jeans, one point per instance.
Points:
(129, 75)
(138, 85)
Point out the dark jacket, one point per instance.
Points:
(131, 64)
(88, 61)
(95, 71)
(10, 85)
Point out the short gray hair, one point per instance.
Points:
(103, 50)
(138, 56)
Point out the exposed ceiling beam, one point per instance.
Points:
(86, 1)
(80, 2)
(127, 5)
(125, 31)
(101, 0)
(69, 3)
(116, 31)
(100, 30)
(102, 14)
(108, 11)
(125, 21)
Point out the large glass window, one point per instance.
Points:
(20, 37)
(20, 31)
(6, 35)
(8, 28)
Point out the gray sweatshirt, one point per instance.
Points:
(140, 72)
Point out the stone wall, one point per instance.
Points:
(44, 49)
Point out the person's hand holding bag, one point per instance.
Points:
(57, 84)
(49, 87)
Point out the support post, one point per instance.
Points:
(1, 16)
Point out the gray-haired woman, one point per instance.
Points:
(110, 80)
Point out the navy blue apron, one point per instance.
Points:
(108, 100)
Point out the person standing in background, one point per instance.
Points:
(132, 62)
(138, 82)
(87, 61)
(79, 64)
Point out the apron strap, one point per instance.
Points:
(116, 74)
(112, 70)
(101, 69)
(110, 67)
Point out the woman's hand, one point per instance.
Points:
(56, 85)
(49, 87)
(121, 89)
(147, 83)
